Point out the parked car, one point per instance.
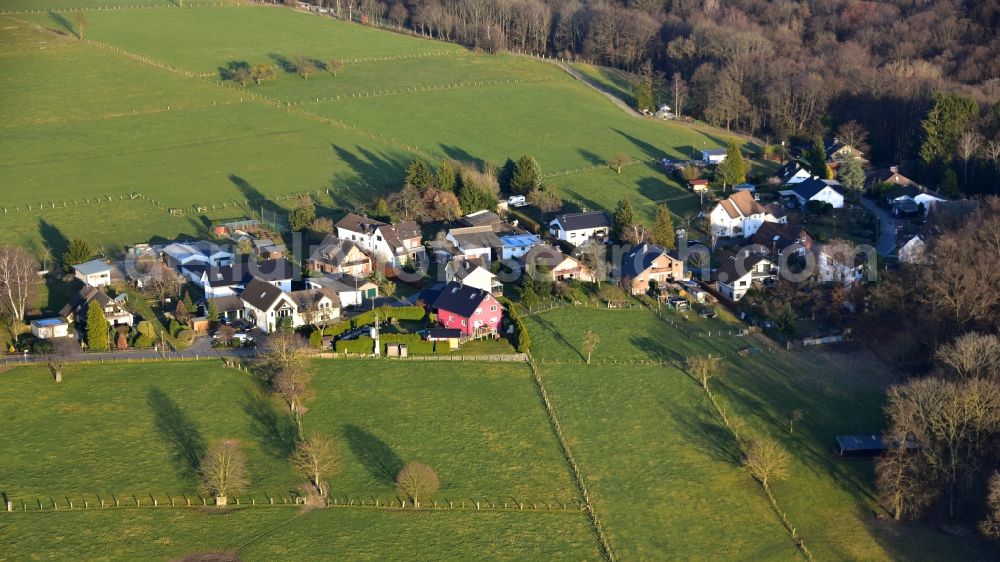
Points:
(517, 201)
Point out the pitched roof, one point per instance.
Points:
(83, 298)
(475, 237)
(241, 272)
(394, 234)
(581, 221)
(93, 266)
(776, 236)
(460, 269)
(305, 296)
(228, 303)
(641, 258)
(480, 218)
(809, 188)
(333, 250)
(358, 223)
(544, 254)
(261, 294)
(741, 204)
(714, 151)
(462, 300)
(519, 240)
(730, 270)
(788, 171)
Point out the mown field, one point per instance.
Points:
(187, 141)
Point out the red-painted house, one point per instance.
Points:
(466, 308)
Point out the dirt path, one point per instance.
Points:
(614, 99)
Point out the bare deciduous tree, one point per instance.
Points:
(991, 525)
(703, 368)
(590, 342)
(968, 146)
(223, 471)
(904, 481)
(417, 480)
(972, 355)
(17, 280)
(766, 460)
(794, 417)
(284, 349)
(316, 458)
(853, 134)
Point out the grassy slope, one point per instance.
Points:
(660, 472)
(284, 533)
(446, 417)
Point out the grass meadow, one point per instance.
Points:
(128, 429)
(264, 534)
(218, 144)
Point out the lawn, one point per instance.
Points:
(288, 533)
(132, 429)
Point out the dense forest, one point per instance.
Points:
(778, 69)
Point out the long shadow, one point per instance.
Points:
(55, 241)
(270, 425)
(592, 158)
(283, 62)
(229, 71)
(558, 335)
(702, 430)
(178, 430)
(456, 153)
(649, 150)
(63, 23)
(655, 349)
(377, 457)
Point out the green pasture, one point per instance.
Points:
(626, 335)
(261, 534)
(140, 429)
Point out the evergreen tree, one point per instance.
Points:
(644, 95)
(950, 116)
(622, 218)
(816, 160)
(851, 174)
(527, 176)
(97, 328)
(949, 183)
(212, 312)
(446, 177)
(419, 175)
(78, 252)
(506, 175)
(382, 209)
(472, 199)
(663, 229)
(733, 169)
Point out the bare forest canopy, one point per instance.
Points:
(775, 68)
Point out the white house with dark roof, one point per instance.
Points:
(815, 189)
(741, 271)
(469, 273)
(741, 215)
(196, 253)
(792, 172)
(392, 244)
(227, 280)
(579, 228)
(713, 155)
(96, 273)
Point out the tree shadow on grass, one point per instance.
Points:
(178, 430)
(270, 425)
(381, 461)
(656, 349)
(64, 23)
(702, 430)
(557, 334)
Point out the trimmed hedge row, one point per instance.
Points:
(381, 313)
(414, 344)
(519, 339)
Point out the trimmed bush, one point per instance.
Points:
(363, 346)
(186, 336)
(142, 340)
(316, 339)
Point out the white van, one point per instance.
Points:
(517, 201)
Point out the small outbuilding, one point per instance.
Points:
(96, 273)
(870, 445)
(713, 155)
(48, 328)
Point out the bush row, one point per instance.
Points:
(414, 345)
(519, 339)
(382, 313)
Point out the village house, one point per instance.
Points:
(838, 152)
(467, 272)
(474, 243)
(774, 239)
(226, 280)
(482, 218)
(316, 307)
(514, 246)
(49, 328)
(350, 290)
(267, 249)
(96, 273)
(230, 308)
(560, 266)
(909, 198)
(267, 306)
(792, 172)
(741, 271)
(834, 266)
(391, 244)
(334, 255)
(888, 175)
(114, 309)
(648, 266)
(473, 311)
(200, 252)
(815, 189)
(713, 155)
(741, 215)
(579, 228)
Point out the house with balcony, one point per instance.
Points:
(741, 271)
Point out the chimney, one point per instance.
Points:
(894, 169)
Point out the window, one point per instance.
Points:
(493, 308)
(572, 235)
(479, 311)
(465, 323)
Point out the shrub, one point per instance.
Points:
(186, 336)
(142, 340)
(363, 346)
(42, 346)
(145, 327)
(316, 339)
(175, 328)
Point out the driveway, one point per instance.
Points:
(886, 227)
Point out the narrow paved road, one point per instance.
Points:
(887, 227)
